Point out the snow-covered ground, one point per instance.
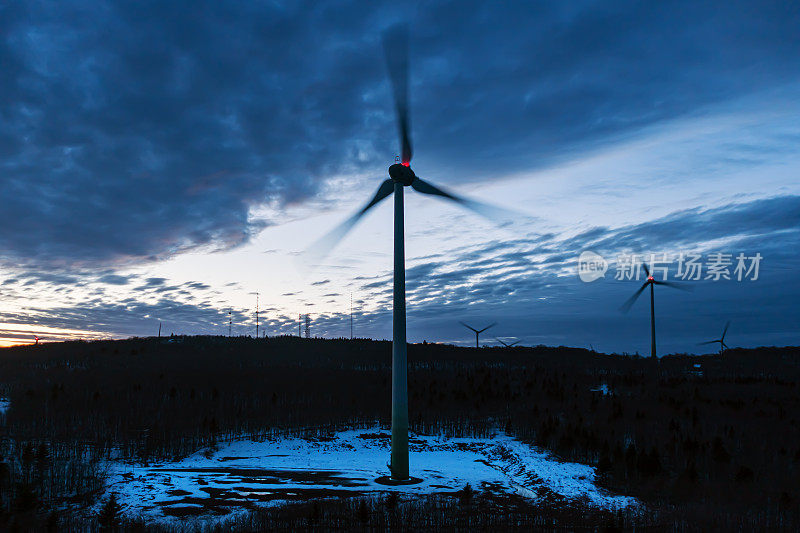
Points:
(243, 474)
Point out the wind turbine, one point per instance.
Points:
(721, 340)
(507, 345)
(630, 301)
(477, 331)
(395, 44)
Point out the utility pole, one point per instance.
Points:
(256, 315)
(230, 321)
(300, 326)
(351, 316)
(159, 330)
(308, 326)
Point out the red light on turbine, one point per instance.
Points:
(650, 278)
(406, 163)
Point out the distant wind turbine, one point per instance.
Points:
(395, 43)
(721, 340)
(651, 282)
(477, 331)
(507, 345)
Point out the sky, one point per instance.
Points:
(161, 163)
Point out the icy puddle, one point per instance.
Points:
(244, 474)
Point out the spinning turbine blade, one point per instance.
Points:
(646, 270)
(630, 301)
(469, 327)
(506, 344)
(724, 331)
(395, 48)
(326, 243)
(487, 327)
(489, 211)
(674, 285)
(707, 342)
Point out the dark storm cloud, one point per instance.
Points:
(133, 131)
(130, 131)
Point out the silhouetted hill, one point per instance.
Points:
(716, 438)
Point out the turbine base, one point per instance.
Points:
(390, 481)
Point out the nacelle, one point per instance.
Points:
(402, 174)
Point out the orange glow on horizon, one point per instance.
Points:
(22, 334)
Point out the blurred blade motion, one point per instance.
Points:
(630, 301)
(322, 247)
(468, 326)
(491, 212)
(477, 330)
(395, 48)
(672, 284)
(506, 344)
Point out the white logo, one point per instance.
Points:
(591, 266)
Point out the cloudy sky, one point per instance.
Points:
(164, 161)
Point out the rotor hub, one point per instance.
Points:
(402, 174)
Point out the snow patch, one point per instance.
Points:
(243, 474)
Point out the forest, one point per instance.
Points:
(706, 442)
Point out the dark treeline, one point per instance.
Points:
(714, 444)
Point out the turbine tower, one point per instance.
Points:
(477, 331)
(630, 301)
(395, 43)
(721, 340)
